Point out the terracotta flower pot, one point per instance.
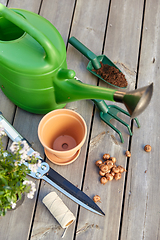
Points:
(62, 133)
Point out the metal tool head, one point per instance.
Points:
(135, 101)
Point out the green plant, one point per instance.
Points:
(13, 171)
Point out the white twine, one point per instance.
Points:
(58, 209)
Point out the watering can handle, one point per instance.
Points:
(22, 23)
(85, 51)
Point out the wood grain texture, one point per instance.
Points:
(6, 106)
(27, 5)
(85, 109)
(123, 35)
(103, 138)
(45, 225)
(131, 205)
(141, 213)
(19, 221)
(54, 12)
(4, 2)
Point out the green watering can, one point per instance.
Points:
(33, 68)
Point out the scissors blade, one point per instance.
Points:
(71, 191)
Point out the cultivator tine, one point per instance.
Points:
(107, 121)
(108, 112)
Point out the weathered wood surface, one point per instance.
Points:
(103, 138)
(131, 205)
(141, 209)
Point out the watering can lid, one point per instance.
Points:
(39, 51)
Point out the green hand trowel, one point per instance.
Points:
(94, 60)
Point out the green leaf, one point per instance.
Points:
(7, 188)
(9, 199)
(4, 180)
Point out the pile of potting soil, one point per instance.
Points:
(111, 75)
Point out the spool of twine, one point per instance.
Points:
(58, 209)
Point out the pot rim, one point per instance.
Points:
(67, 111)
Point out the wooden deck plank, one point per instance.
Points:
(19, 221)
(54, 12)
(4, 2)
(27, 5)
(44, 222)
(103, 138)
(124, 27)
(141, 213)
(6, 106)
(123, 37)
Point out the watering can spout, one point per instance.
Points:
(69, 90)
(135, 101)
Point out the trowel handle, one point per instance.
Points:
(85, 51)
(26, 26)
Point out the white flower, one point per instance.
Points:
(25, 147)
(22, 161)
(32, 189)
(13, 205)
(35, 154)
(33, 167)
(2, 132)
(16, 163)
(30, 195)
(26, 182)
(39, 163)
(5, 154)
(24, 156)
(14, 147)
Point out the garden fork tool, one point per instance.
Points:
(108, 112)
